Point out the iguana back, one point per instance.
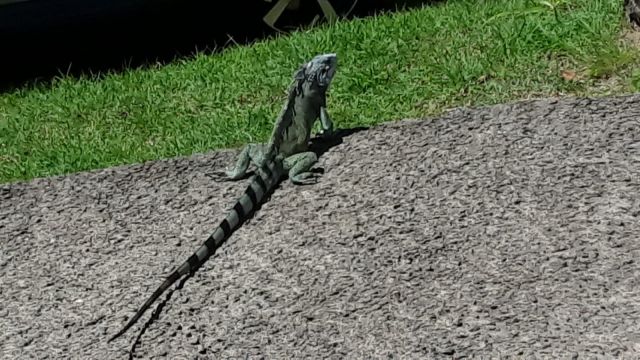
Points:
(286, 152)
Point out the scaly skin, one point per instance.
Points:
(290, 136)
(286, 152)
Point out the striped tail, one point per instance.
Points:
(262, 183)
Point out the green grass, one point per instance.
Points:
(406, 64)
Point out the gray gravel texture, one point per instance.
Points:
(501, 231)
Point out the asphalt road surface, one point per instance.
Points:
(501, 231)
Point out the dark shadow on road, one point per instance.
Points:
(320, 145)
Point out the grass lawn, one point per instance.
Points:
(405, 64)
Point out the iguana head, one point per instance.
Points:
(319, 71)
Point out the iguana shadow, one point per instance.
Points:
(319, 146)
(322, 145)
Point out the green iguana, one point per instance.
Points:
(286, 152)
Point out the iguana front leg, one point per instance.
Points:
(326, 122)
(251, 153)
(299, 166)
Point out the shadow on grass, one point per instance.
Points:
(142, 35)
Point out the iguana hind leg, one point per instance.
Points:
(251, 153)
(299, 166)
